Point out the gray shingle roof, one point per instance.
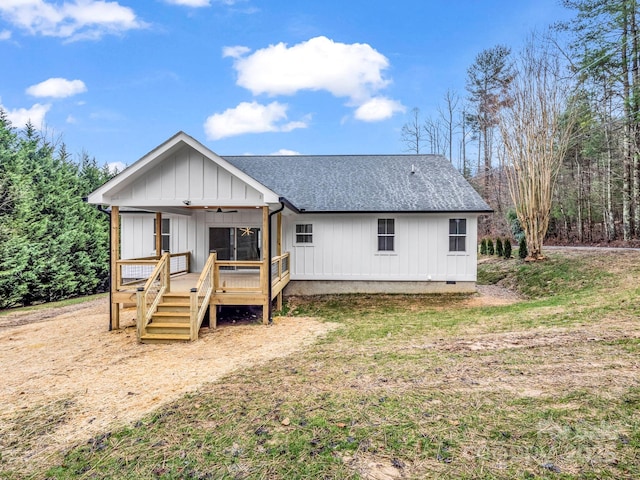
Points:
(364, 183)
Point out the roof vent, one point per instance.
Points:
(413, 169)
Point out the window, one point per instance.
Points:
(166, 237)
(457, 235)
(304, 233)
(386, 234)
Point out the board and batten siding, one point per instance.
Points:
(187, 175)
(345, 247)
(138, 239)
(186, 233)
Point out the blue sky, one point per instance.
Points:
(117, 78)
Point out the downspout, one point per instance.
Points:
(108, 213)
(270, 287)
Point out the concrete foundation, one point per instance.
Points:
(326, 287)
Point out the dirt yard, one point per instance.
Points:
(66, 379)
(64, 374)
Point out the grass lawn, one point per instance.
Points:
(419, 387)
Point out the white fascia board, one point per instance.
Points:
(103, 194)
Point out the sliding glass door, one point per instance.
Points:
(235, 243)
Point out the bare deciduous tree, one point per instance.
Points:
(435, 136)
(447, 114)
(535, 132)
(412, 134)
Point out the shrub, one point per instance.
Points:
(514, 224)
(522, 253)
(490, 250)
(483, 247)
(499, 250)
(507, 248)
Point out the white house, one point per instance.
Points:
(305, 224)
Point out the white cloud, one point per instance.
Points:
(74, 20)
(378, 108)
(71, 119)
(115, 167)
(57, 88)
(284, 151)
(353, 71)
(235, 52)
(345, 70)
(190, 3)
(19, 117)
(5, 35)
(250, 118)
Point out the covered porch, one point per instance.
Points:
(226, 226)
(172, 297)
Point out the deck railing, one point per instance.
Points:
(137, 270)
(248, 279)
(150, 295)
(242, 273)
(200, 296)
(279, 268)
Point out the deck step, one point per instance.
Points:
(171, 314)
(179, 325)
(176, 329)
(177, 296)
(174, 304)
(165, 338)
(164, 320)
(173, 307)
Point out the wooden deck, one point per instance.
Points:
(172, 302)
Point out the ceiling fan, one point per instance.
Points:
(219, 210)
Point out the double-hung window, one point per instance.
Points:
(457, 235)
(165, 232)
(304, 233)
(386, 234)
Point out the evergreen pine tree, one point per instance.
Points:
(507, 248)
(499, 250)
(52, 244)
(483, 247)
(490, 249)
(522, 249)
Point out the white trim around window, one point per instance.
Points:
(457, 235)
(386, 234)
(304, 234)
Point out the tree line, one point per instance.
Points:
(53, 245)
(549, 135)
(594, 180)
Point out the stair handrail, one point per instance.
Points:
(201, 294)
(161, 274)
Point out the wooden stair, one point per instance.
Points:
(171, 322)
